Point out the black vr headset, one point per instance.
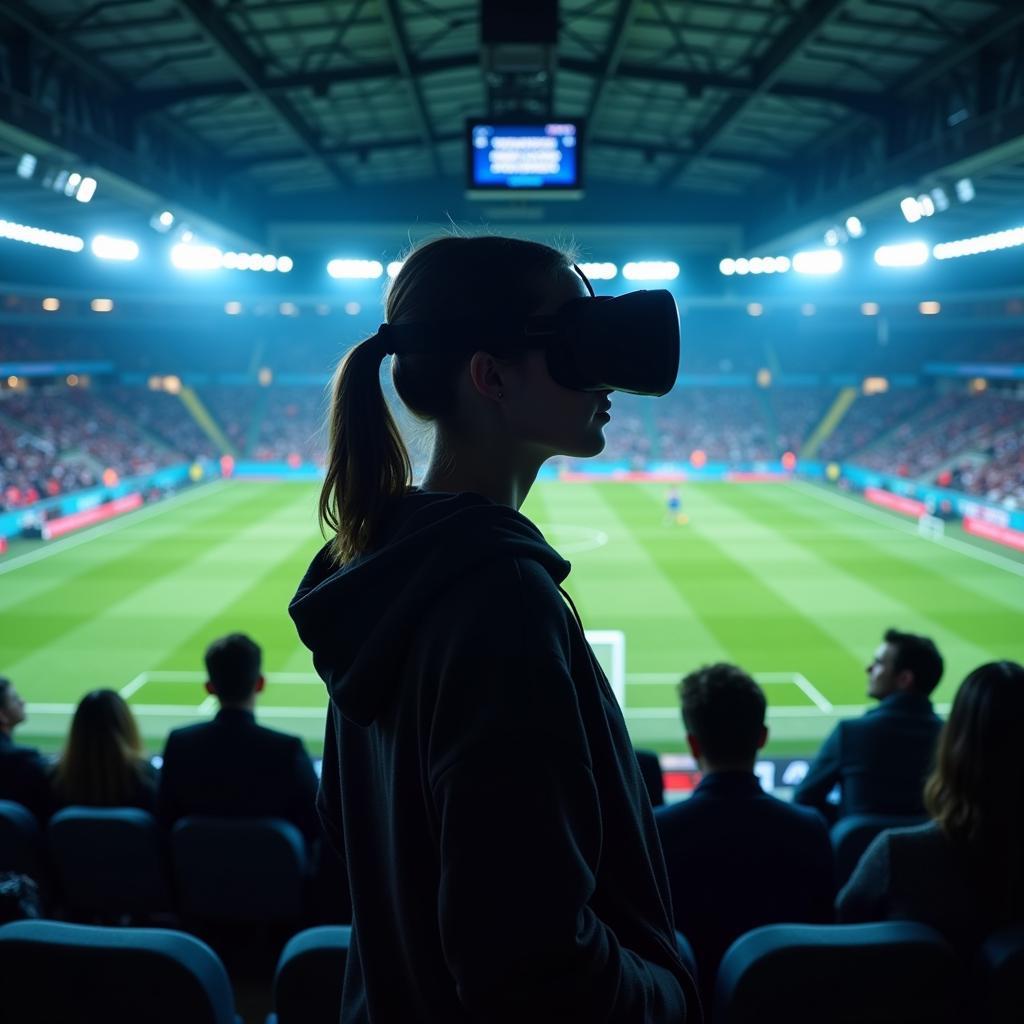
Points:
(597, 343)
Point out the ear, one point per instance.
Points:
(764, 737)
(486, 374)
(209, 688)
(905, 680)
(694, 744)
(260, 683)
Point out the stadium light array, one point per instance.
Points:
(86, 190)
(755, 265)
(651, 270)
(855, 227)
(911, 210)
(40, 236)
(348, 269)
(964, 190)
(907, 254)
(979, 243)
(108, 248)
(600, 271)
(51, 304)
(102, 305)
(188, 256)
(929, 308)
(27, 165)
(819, 261)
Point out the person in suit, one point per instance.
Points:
(24, 772)
(233, 767)
(737, 858)
(963, 872)
(103, 764)
(880, 760)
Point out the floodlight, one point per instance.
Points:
(360, 269)
(86, 190)
(651, 270)
(832, 236)
(594, 271)
(925, 205)
(27, 165)
(929, 308)
(911, 210)
(855, 227)
(742, 266)
(233, 308)
(820, 261)
(965, 190)
(40, 236)
(74, 180)
(755, 308)
(869, 308)
(353, 308)
(727, 267)
(940, 199)
(979, 244)
(196, 257)
(51, 305)
(108, 248)
(285, 264)
(908, 254)
(101, 305)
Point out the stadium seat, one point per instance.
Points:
(999, 977)
(109, 861)
(239, 870)
(650, 769)
(686, 953)
(19, 839)
(83, 974)
(309, 976)
(852, 835)
(864, 973)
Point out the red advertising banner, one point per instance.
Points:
(78, 520)
(895, 502)
(1000, 534)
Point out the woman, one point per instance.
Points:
(103, 764)
(24, 772)
(963, 872)
(478, 778)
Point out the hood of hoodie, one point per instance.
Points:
(358, 619)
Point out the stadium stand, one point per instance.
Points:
(20, 840)
(999, 977)
(852, 835)
(309, 974)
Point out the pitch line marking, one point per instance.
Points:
(878, 516)
(815, 694)
(135, 685)
(142, 515)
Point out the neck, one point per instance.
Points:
(239, 705)
(503, 476)
(713, 768)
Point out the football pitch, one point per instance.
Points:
(794, 582)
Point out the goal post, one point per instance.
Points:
(609, 646)
(931, 527)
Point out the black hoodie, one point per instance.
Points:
(480, 785)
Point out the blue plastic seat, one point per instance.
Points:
(999, 977)
(109, 861)
(309, 976)
(239, 870)
(19, 839)
(863, 973)
(852, 835)
(84, 974)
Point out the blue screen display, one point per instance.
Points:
(534, 156)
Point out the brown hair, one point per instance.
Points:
(100, 763)
(976, 791)
(454, 277)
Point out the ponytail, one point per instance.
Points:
(368, 466)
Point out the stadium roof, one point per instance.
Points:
(775, 115)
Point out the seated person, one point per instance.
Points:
(737, 858)
(24, 772)
(232, 767)
(880, 760)
(103, 764)
(963, 872)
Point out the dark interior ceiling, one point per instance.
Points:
(776, 115)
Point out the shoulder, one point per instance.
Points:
(187, 734)
(278, 739)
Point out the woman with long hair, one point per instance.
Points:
(102, 764)
(963, 872)
(478, 778)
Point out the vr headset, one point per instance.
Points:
(627, 343)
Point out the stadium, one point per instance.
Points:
(203, 207)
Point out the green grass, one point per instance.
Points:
(782, 579)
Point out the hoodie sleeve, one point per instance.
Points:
(521, 837)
